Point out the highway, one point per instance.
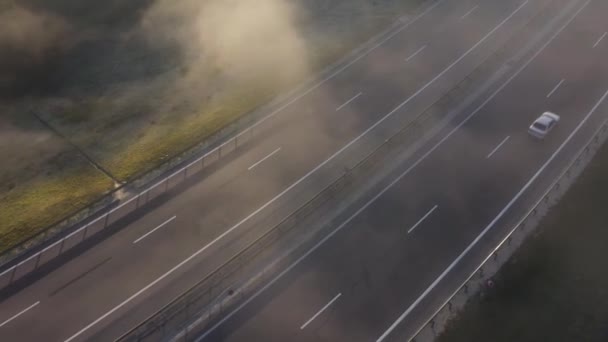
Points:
(380, 262)
(364, 282)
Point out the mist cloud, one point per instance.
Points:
(29, 42)
(242, 40)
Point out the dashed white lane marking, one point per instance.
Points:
(153, 230)
(263, 159)
(320, 311)
(600, 40)
(415, 54)
(422, 219)
(19, 314)
(469, 12)
(349, 101)
(498, 147)
(555, 88)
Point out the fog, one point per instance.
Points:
(29, 43)
(240, 39)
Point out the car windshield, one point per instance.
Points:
(540, 126)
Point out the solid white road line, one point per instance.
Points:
(320, 311)
(498, 147)
(365, 53)
(600, 40)
(19, 314)
(263, 159)
(415, 54)
(491, 224)
(349, 101)
(555, 88)
(274, 199)
(153, 230)
(422, 219)
(469, 12)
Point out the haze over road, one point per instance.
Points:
(362, 280)
(364, 283)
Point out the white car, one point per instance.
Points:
(543, 125)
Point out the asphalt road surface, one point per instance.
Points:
(361, 284)
(362, 280)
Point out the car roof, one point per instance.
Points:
(546, 118)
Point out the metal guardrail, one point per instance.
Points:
(99, 222)
(105, 220)
(481, 277)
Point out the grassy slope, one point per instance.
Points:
(42, 179)
(24, 213)
(555, 288)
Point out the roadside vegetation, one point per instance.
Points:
(133, 83)
(555, 287)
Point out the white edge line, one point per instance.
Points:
(423, 157)
(153, 230)
(600, 40)
(555, 88)
(320, 311)
(422, 219)
(491, 224)
(19, 314)
(469, 12)
(349, 101)
(221, 236)
(415, 53)
(498, 147)
(263, 159)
